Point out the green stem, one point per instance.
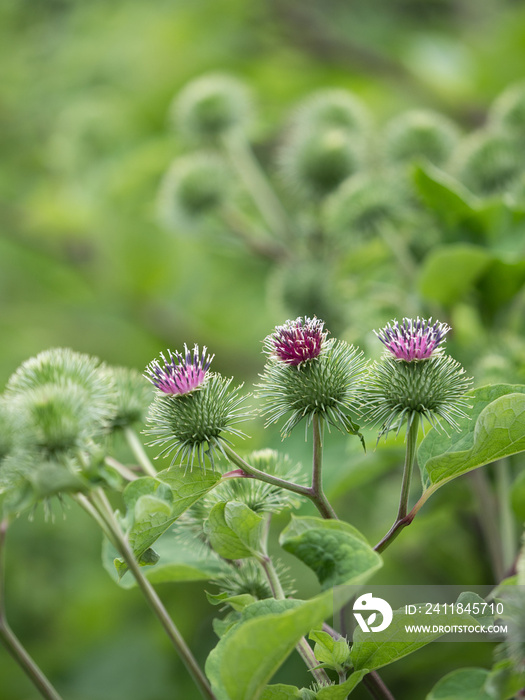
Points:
(410, 458)
(239, 224)
(320, 499)
(488, 520)
(99, 502)
(403, 517)
(139, 452)
(509, 537)
(121, 469)
(11, 641)
(251, 174)
(375, 686)
(263, 476)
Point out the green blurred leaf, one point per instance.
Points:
(341, 691)
(448, 198)
(234, 530)
(334, 550)
(463, 684)
(450, 272)
(496, 430)
(500, 283)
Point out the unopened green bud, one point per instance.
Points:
(508, 110)
(315, 161)
(193, 187)
(133, 396)
(420, 134)
(210, 106)
(363, 204)
(332, 108)
(488, 163)
(67, 396)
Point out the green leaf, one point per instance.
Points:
(249, 654)
(237, 602)
(463, 684)
(373, 650)
(341, 691)
(281, 692)
(500, 283)
(328, 650)
(231, 536)
(449, 272)
(334, 550)
(504, 681)
(448, 198)
(497, 429)
(178, 561)
(153, 504)
(245, 523)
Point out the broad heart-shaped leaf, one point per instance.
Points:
(153, 504)
(449, 272)
(341, 691)
(496, 430)
(249, 654)
(334, 550)
(234, 530)
(463, 684)
(447, 197)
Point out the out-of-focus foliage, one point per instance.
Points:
(86, 139)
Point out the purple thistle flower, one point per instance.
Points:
(413, 340)
(180, 374)
(297, 341)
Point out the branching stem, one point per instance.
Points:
(403, 517)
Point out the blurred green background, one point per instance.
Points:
(84, 262)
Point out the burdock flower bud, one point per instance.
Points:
(508, 110)
(315, 160)
(194, 187)
(210, 106)
(68, 398)
(362, 205)
(306, 374)
(193, 409)
(415, 377)
(420, 134)
(488, 163)
(332, 108)
(132, 397)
